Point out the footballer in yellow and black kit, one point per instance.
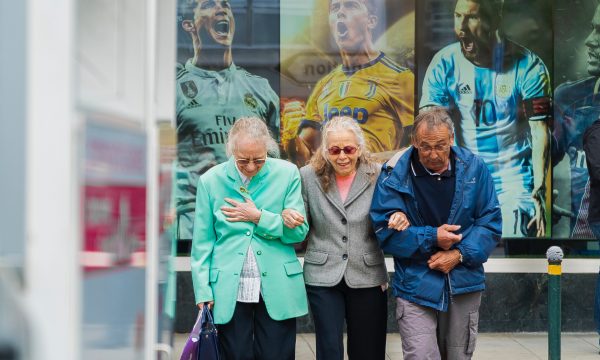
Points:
(379, 95)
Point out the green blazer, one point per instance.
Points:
(219, 247)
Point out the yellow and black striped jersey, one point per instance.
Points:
(379, 95)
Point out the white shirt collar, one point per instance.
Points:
(245, 179)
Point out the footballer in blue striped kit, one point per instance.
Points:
(501, 94)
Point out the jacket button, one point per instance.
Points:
(344, 239)
(344, 221)
(247, 233)
(258, 252)
(345, 256)
(264, 273)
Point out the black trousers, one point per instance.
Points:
(365, 311)
(253, 335)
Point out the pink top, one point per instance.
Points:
(343, 184)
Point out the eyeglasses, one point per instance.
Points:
(257, 162)
(336, 150)
(427, 149)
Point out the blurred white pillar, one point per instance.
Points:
(151, 333)
(52, 272)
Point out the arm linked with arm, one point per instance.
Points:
(271, 224)
(409, 243)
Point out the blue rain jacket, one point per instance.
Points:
(474, 206)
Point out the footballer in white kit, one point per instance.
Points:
(211, 93)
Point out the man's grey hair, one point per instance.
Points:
(251, 128)
(432, 117)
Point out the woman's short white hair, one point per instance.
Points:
(251, 128)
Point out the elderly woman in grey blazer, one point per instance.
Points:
(344, 268)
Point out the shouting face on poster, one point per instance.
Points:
(351, 23)
(215, 19)
(475, 31)
(211, 23)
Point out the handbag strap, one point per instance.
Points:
(207, 320)
(197, 325)
(203, 315)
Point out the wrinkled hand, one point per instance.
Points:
(210, 305)
(444, 261)
(539, 219)
(398, 221)
(292, 218)
(241, 211)
(446, 236)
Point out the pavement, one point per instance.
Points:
(490, 346)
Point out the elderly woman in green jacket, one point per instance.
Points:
(243, 259)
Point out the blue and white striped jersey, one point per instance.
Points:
(495, 105)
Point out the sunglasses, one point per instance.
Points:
(336, 150)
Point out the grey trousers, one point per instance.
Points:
(430, 334)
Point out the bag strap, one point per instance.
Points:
(197, 325)
(209, 316)
(208, 322)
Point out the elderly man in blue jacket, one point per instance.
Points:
(448, 197)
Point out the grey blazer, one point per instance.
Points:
(341, 241)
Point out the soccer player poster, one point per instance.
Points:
(346, 57)
(487, 61)
(214, 87)
(576, 106)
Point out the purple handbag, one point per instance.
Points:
(202, 344)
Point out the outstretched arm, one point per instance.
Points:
(540, 146)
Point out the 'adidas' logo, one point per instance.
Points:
(465, 90)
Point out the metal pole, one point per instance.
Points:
(554, 256)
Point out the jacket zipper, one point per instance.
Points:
(461, 192)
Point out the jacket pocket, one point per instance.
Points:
(473, 330)
(214, 275)
(315, 257)
(293, 268)
(374, 258)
